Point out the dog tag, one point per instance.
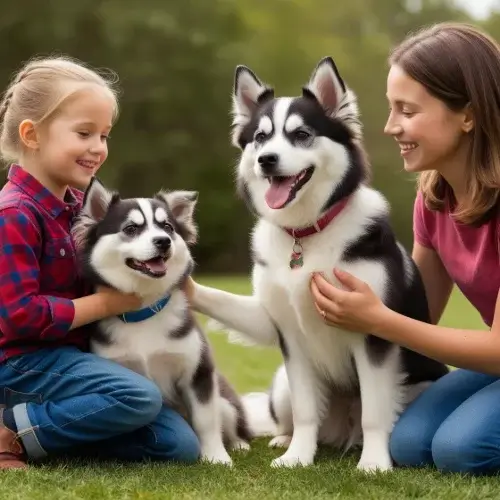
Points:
(296, 259)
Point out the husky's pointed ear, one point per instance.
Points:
(182, 205)
(248, 93)
(96, 202)
(327, 85)
(328, 88)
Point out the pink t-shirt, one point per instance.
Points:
(469, 254)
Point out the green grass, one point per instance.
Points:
(332, 476)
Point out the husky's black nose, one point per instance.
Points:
(268, 163)
(162, 244)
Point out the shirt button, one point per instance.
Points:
(62, 252)
(66, 208)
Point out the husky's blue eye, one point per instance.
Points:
(130, 229)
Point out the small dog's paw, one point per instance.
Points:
(280, 441)
(217, 457)
(289, 460)
(240, 445)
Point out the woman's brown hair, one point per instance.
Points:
(460, 65)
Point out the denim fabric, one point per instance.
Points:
(67, 401)
(454, 425)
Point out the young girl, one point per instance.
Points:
(59, 399)
(444, 94)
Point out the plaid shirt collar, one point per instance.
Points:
(36, 191)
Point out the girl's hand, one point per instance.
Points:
(357, 308)
(116, 302)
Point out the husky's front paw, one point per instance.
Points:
(240, 445)
(280, 442)
(369, 462)
(217, 457)
(291, 460)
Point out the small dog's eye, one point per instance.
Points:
(168, 227)
(130, 229)
(302, 135)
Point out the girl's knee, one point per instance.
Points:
(187, 447)
(174, 438)
(180, 444)
(143, 401)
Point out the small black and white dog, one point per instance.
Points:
(303, 172)
(141, 246)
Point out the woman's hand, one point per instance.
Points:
(357, 308)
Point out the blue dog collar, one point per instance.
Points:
(146, 312)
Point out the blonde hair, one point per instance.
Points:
(460, 65)
(38, 90)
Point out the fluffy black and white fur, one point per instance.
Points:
(299, 156)
(141, 246)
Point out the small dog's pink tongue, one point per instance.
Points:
(156, 265)
(278, 192)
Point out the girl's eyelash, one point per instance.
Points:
(85, 134)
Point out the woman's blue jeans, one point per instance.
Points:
(453, 425)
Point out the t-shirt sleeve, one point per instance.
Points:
(420, 227)
(24, 313)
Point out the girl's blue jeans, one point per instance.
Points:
(453, 425)
(66, 401)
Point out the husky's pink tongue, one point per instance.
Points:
(279, 190)
(156, 265)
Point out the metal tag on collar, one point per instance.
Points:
(296, 259)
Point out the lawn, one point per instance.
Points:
(331, 477)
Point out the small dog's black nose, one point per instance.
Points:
(268, 162)
(162, 244)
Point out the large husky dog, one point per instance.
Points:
(303, 173)
(141, 246)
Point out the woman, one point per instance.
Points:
(444, 94)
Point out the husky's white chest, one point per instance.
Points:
(286, 293)
(149, 348)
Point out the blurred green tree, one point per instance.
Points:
(176, 63)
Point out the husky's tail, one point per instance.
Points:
(256, 407)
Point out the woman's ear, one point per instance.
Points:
(468, 119)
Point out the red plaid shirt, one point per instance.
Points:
(38, 268)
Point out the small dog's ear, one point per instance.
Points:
(328, 88)
(248, 93)
(96, 202)
(182, 205)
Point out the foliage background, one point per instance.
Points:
(176, 60)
